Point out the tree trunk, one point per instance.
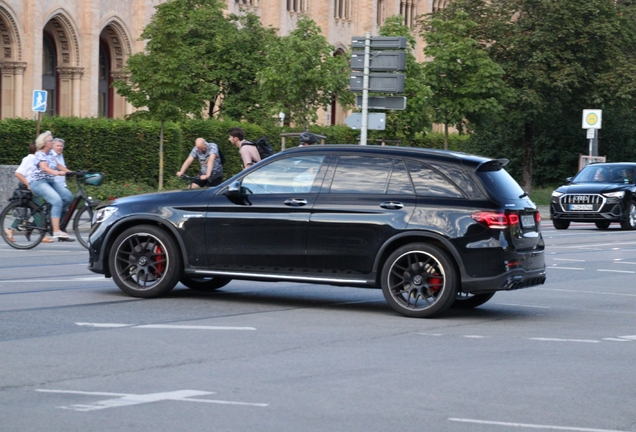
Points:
(528, 156)
(161, 157)
(445, 136)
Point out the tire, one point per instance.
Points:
(603, 225)
(469, 301)
(205, 284)
(145, 262)
(419, 280)
(560, 224)
(82, 224)
(26, 224)
(630, 222)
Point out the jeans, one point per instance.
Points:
(54, 193)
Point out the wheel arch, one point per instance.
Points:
(125, 223)
(418, 237)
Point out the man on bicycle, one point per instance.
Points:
(211, 172)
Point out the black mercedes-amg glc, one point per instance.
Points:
(601, 193)
(431, 228)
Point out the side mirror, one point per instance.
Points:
(234, 189)
(569, 180)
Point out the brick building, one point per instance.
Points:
(74, 49)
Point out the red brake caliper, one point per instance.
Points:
(159, 256)
(435, 282)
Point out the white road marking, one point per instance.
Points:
(430, 334)
(565, 340)
(522, 305)
(617, 340)
(565, 268)
(75, 279)
(615, 271)
(533, 426)
(586, 292)
(596, 245)
(624, 262)
(567, 259)
(475, 336)
(161, 326)
(127, 399)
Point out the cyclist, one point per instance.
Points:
(23, 171)
(211, 173)
(307, 138)
(43, 184)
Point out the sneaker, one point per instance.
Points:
(65, 239)
(61, 234)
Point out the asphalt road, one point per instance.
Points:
(76, 354)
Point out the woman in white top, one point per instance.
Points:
(42, 183)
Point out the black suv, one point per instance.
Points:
(601, 193)
(431, 228)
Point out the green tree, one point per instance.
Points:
(302, 75)
(465, 83)
(416, 118)
(171, 78)
(559, 57)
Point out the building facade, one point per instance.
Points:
(74, 49)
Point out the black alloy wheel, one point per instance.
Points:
(205, 284)
(145, 262)
(560, 224)
(602, 225)
(469, 301)
(419, 280)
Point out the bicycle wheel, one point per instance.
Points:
(22, 225)
(82, 224)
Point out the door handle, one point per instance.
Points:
(294, 202)
(392, 205)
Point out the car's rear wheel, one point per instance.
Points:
(469, 301)
(630, 222)
(419, 280)
(602, 225)
(205, 284)
(145, 262)
(560, 224)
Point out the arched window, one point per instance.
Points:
(408, 10)
(342, 10)
(49, 73)
(297, 5)
(380, 13)
(104, 108)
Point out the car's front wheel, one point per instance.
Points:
(205, 284)
(630, 222)
(602, 225)
(419, 280)
(560, 224)
(145, 262)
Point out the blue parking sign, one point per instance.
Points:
(39, 100)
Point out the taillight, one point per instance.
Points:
(496, 220)
(537, 218)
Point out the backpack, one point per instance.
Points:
(264, 149)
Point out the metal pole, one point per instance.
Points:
(365, 90)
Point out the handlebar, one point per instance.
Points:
(189, 178)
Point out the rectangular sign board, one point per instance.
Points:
(380, 60)
(39, 100)
(378, 82)
(592, 118)
(383, 102)
(379, 42)
(375, 121)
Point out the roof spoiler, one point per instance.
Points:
(492, 165)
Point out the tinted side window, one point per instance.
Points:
(500, 184)
(429, 182)
(291, 175)
(400, 183)
(460, 178)
(361, 174)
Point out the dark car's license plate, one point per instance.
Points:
(581, 207)
(527, 221)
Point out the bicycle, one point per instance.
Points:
(29, 221)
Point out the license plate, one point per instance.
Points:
(581, 207)
(527, 221)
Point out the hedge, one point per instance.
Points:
(128, 151)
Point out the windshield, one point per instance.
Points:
(605, 174)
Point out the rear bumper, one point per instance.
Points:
(512, 280)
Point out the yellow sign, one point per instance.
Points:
(592, 119)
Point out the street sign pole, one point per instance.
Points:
(365, 90)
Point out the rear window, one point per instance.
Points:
(500, 184)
